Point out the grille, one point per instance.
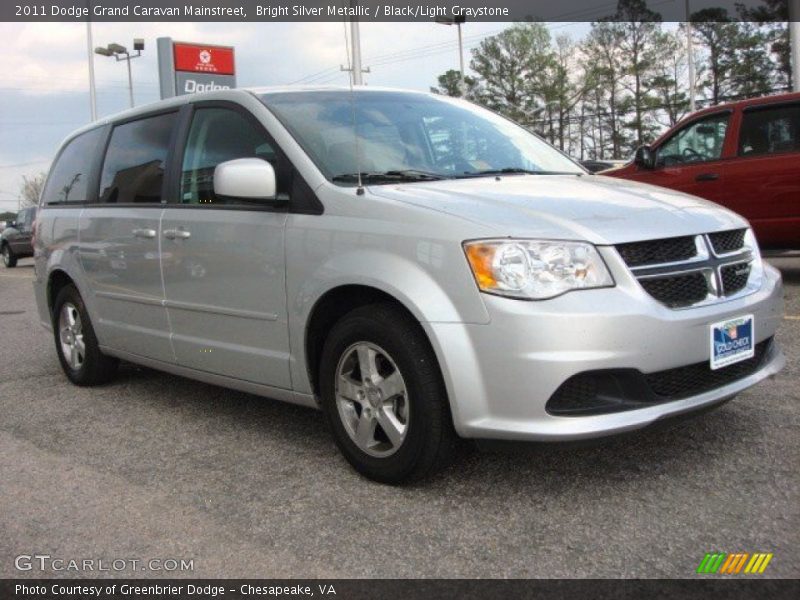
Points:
(680, 272)
(652, 252)
(734, 277)
(615, 390)
(727, 241)
(677, 290)
(691, 380)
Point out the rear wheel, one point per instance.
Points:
(384, 396)
(76, 343)
(9, 260)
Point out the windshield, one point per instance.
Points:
(408, 136)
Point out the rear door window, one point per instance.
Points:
(133, 171)
(68, 181)
(772, 130)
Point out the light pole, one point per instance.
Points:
(117, 51)
(354, 58)
(794, 42)
(690, 58)
(92, 93)
(457, 21)
(90, 57)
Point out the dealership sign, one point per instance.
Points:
(188, 68)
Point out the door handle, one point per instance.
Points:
(144, 233)
(177, 234)
(707, 177)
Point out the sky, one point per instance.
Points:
(45, 95)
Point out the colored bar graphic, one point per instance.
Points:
(704, 563)
(741, 562)
(764, 564)
(726, 566)
(718, 562)
(723, 563)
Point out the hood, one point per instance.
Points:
(598, 209)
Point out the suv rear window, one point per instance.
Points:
(770, 130)
(68, 181)
(133, 171)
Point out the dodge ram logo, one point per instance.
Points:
(205, 57)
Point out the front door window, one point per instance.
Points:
(700, 141)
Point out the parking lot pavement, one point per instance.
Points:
(155, 466)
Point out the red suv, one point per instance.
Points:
(744, 155)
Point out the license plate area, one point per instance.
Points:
(732, 341)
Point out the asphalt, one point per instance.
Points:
(156, 466)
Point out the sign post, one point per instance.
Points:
(189, 68)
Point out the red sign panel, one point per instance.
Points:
(195, 58)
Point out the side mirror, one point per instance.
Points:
(644, 157)
(245, 178)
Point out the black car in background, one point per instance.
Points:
(15, 240)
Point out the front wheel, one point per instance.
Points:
(384, 397)
(76, 343)
(9, 260)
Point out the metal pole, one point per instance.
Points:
(461, 60)
(90, 52)
(794, 42)
(130, 77)
(355, 43)
(690, 59)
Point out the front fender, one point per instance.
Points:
(435, 285)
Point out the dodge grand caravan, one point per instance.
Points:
(417, 267)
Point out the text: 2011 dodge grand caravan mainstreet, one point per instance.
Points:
(479, 284)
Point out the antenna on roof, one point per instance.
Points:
(349, 46)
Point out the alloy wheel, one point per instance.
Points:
(372, 399)
(70, 331)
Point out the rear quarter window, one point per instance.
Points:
(69, 177)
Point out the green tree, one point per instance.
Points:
(715, 31)
(450, 85)
(562, 92)
(512, 66)
(773, 17)
(603, 64)
(668, 77)
(753, 72)
(739, 61)
(639, 28)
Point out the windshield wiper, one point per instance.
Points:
(512, 171)
(388, 176)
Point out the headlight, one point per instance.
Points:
(536, 269)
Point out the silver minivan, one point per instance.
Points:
(419, 268)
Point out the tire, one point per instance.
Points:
(413, 407)
(72, 328)
(9, 260)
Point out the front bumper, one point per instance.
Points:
(500, 376)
